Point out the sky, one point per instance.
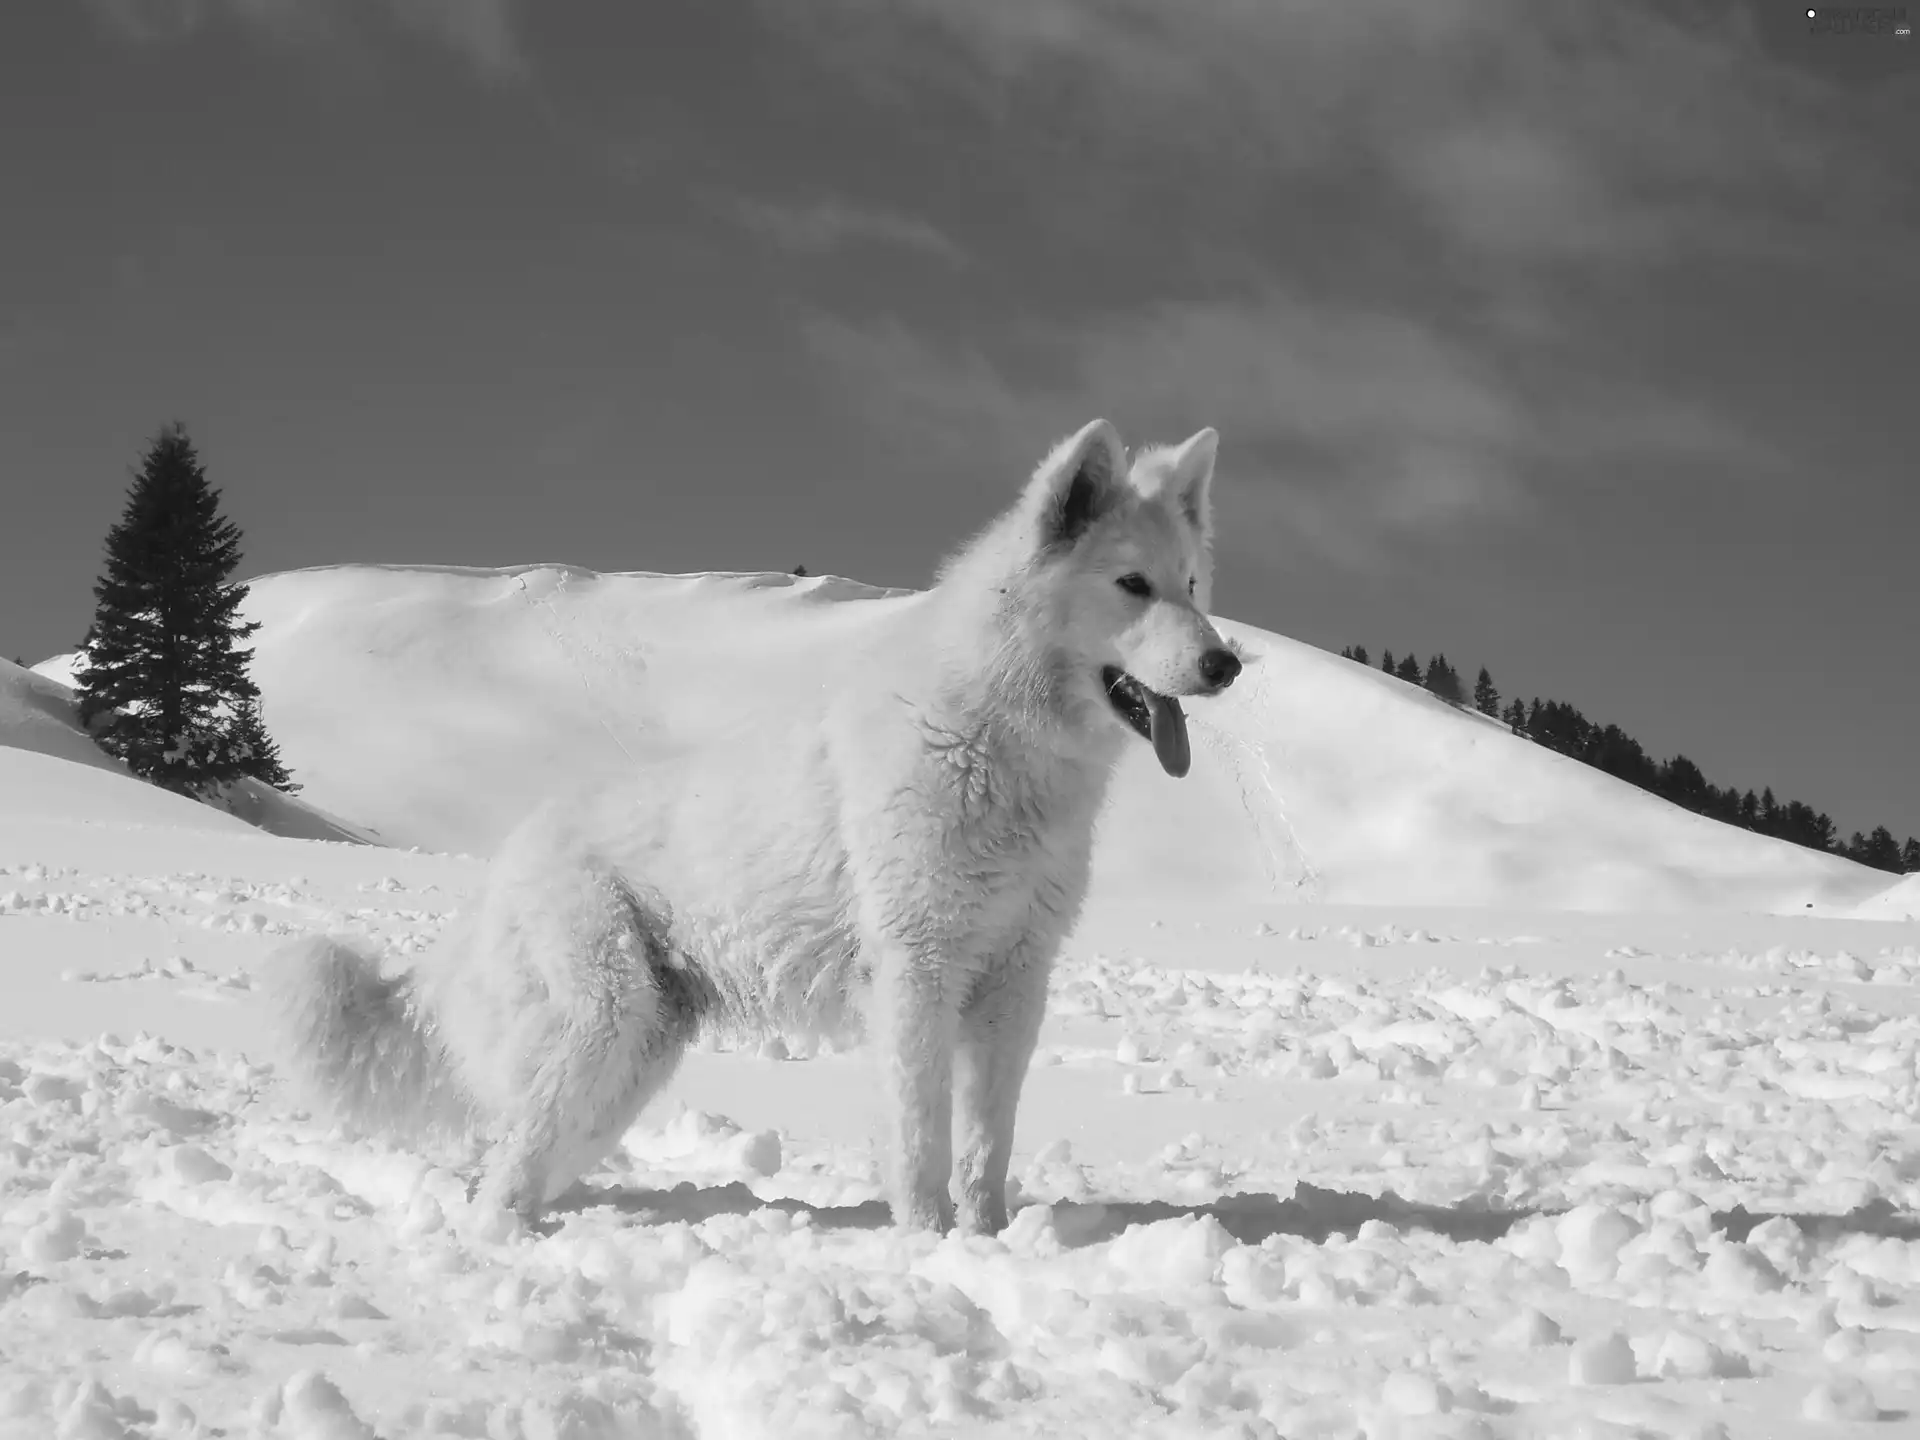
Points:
(1573, 340)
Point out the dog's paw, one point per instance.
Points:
(925, 1212)
(983, 1217)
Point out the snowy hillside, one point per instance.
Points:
(393, 691)
(41, 741)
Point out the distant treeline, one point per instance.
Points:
(1558, 726)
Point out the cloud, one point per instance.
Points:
(1412, 256)
(824, 226)
(1347, 430)
(1536, 131)
(480, 32)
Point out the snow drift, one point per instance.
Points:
(435, 705)
(50, 769)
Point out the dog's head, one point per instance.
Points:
(1124, 553)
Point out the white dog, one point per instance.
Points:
(902, 826)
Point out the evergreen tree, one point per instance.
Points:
(1360, 654)
(252, 747)
(800, 570)
(1881, 850)
(166, 688)
(1386, 662)
(1346, 652)
(1486, 699)
(1443, 680)
(1560, 727)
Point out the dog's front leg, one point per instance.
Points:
(915, 1022)
(997, 1033)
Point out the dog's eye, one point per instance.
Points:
(1135, 585)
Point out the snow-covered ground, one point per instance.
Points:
(1306, 1151)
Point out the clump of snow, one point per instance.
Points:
(1603, 1360)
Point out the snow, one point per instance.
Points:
(1314, 778)
(1306, 1151)
(38, 718)
(1899, 901)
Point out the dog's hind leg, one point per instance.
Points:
(618, 1014)
(999, 1027)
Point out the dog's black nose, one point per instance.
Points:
(1218, 667)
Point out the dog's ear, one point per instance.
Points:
(1190, 480)
(1079, 482)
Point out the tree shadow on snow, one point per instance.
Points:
(693, 1203)
(1310, 1213)
(1876, 1218)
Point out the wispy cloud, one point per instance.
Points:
(822, 226)
(1405, 254)
(1546, 130)
(1344, 427)
(480, 32)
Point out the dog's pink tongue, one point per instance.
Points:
(1169, 734)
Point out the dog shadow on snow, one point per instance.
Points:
(1310, 1213)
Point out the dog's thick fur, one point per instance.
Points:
(908, 837)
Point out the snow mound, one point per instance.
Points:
(435, 705)
(37, 714)
(1899, 901)
(46, 788)
(65, 668)
(50, 769)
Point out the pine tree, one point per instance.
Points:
(1360, 655)
(252, 747)
(1346, 652)
(800, 570)
(166, 687)
(1516, 718)
(1386, 662)
(1409, 670)
(1910, 856)
(1443, 680)
(1750, 810)
(1486, 699)
(1881, 850)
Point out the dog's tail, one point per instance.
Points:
(354, 1041)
